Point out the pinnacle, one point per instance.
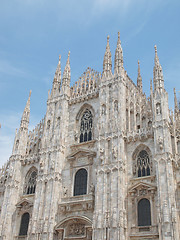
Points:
(67, 70)
(118, 61)
(155, 47)
(108, 47)
(30, 93)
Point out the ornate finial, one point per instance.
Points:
(118, 35)
(138, 67)
(68, 62)
(156, 56)
(59, 58)
(30, 93)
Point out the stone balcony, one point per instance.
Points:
(150, 232)
(21, 237)
(140, 134)
(77, 203)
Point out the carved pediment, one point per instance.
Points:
(81, 157)
(141, 188)
(81, 153)
(25, 205)
(24, 202)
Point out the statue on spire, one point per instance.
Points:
(107, 63)
(139, 78)
(118, 60)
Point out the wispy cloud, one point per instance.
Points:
(8, 68)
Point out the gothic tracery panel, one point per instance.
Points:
(86, 125)
(30, 185)
(143, 164)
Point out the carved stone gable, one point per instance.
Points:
(142, 189)
(25, 205)
(81, 157)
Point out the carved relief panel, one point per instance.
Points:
(74, 228)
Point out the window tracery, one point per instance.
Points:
(86, 125)
(30, 186)
(143, 164)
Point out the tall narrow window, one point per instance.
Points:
(144, 212)
(30, 186)
(80, 182)
(143, 164)
(86, 126)
(24, 224)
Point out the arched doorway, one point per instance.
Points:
(79, 228)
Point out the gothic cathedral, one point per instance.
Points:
(103, 164)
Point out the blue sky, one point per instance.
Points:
(34, 32)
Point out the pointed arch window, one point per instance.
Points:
(30, 186)
(24, 224)
(144, 212)
(86, 125)
(80, 182)
(143, 164)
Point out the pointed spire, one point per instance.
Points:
(118, 61)
(26, 113)
(57, 78)
(139, 78)
(158, 74)
(107, 63)
(151, 90)
(58, 71)
(67, 72)
(176, 108)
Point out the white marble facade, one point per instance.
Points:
(126, 145)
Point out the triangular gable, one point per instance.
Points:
(141, 185)
(81, 152)
(23, 202)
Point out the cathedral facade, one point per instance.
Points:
(103, 164)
